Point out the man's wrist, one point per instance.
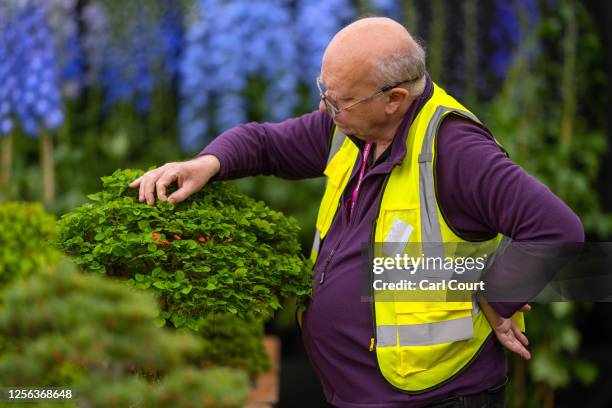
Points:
(208, 163)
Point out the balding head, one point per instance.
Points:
(375, 49)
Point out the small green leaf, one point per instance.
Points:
(178, 321)
(144, 225)
(159, 285)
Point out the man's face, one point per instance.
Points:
(343, 89)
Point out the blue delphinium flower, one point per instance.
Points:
(30, 79)
(127, 71)
(389, 8)
(506, 32)
(133, 49)
(171, 34)
(229, 44)
(63, 22)
(7, 80)
(317, 22)
(96, 40)
(533, 13)
(144, 57)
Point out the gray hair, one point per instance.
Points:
(408, 64)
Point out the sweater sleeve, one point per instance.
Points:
(482, 193)
(294, 149)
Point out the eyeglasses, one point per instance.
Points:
(333, 111)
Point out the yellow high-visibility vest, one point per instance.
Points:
(419, 345)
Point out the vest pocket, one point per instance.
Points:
(398, 228)
(427, 331)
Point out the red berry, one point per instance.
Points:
(156, 235)
(177, 237)
(201, 239)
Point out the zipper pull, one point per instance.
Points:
(372, 344)
(329, 257)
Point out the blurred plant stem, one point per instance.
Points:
(470, 51)
(568, 84)
(546, 394)
(411, 16)
(364, 7)
(436, 41)
(7, 161)
(523, 66)
(520, 385)
(46, 154)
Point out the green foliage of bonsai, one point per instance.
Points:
(98, 338)
(218, 261)
(27, 234)
(233, 342)
(217, 252)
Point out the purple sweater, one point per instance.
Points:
(496, 196)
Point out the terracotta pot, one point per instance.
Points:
(265, 392)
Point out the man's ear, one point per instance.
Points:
(396, 98)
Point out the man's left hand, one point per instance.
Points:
(506, 330)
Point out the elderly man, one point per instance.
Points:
(398, 152)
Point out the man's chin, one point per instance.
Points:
(340, 126)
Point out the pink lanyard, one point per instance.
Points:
(366, 153)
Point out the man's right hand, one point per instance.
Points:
(190, 177)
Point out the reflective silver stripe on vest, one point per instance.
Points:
(475, 306)
(334, 148)
(504, 243)
(428, 333)
(316, 243)
(425, 334)
(431, 233)
(336, 144)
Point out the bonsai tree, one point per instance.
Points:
(216, 254)
(98, 339)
